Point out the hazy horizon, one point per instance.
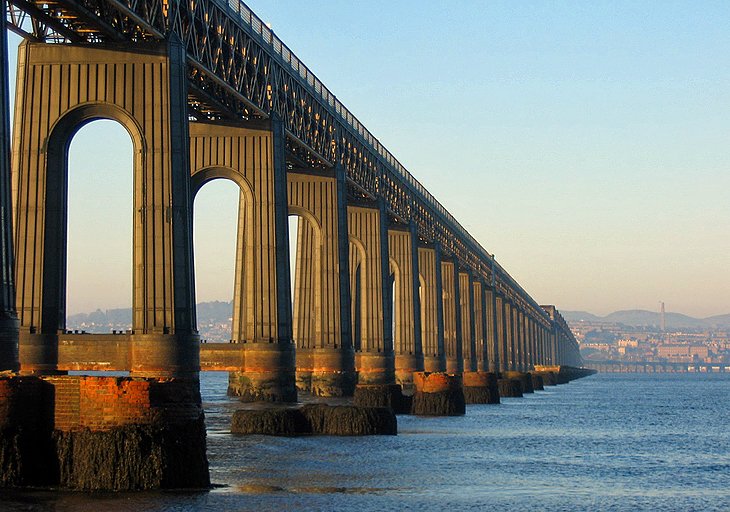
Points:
(584, 144)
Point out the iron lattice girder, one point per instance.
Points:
(238, 69)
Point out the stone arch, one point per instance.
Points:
(395, 288)
(358, 290)
(243, 280)
(55, 175)
(315, 332)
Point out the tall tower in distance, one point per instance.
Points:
(662, 319)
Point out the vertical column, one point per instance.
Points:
(537, 355)
(406, 306)
(521, 341)
(511, 314)
(468, 339)
(8, 317)
(325, 358)
(253, 157)
(262, 314)
(527, 342)
(518, 337)
(531, 353)
(306, 321)
(452, 319)
(480, 326)
(501, 332)
(492, 335)
(432, 327)
(374, 359)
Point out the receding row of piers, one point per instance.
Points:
(372, 302)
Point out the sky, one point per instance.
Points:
(586, 144)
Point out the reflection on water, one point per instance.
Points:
(608, 442)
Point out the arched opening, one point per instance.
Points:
(358, 292)
(425, 326)
(216, 212)
(305, 266)
(394, 304)
(99, 225)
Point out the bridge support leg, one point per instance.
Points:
(107, 432)
(500, 308)
(325, 358)
(452, 317)
(492, 339)
(480, 325)
(432, 325)
(252, 156)
(466, 308)
(406, 306)
(374, 357)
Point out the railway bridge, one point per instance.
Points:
(387, 281)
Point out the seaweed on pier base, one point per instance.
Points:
(315, 419)
(480, 388)
(537, 381)
(510, 388)
(438, 394)
(382, 395)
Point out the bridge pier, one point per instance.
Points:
(374, 358)
(406, 314)
(252, 157)
(452, 317)
(432, 324)
(105, 432)
(480, 327)
(466, 308)
(325, 357)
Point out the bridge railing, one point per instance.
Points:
(259, 28)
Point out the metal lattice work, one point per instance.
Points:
(239, 69)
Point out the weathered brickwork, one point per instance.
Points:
(101, 403)
(114, 433)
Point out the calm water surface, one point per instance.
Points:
(607, 442)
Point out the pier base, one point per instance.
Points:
(480, 388)
(510, 388)
(537, 381)
(269, 374)
(548, 378)
(405, 365)
(316, 419)
(525, 378)
(438, 394)
(382, 395)
(333, 372)
(102, 433)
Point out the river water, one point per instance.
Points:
(606, 442)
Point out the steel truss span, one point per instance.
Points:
(238, 69)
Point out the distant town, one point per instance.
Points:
(635, 337)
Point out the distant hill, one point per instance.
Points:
(578, 316)
(643, 318)
(215, 312)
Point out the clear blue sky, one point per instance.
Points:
(586, 144)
